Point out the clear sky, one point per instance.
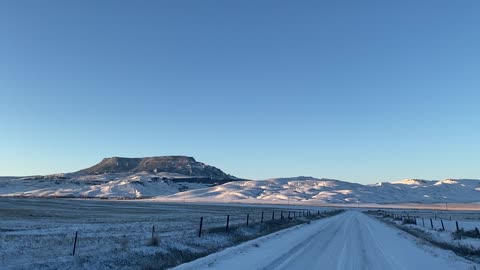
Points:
(363, 91)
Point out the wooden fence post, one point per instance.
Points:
(75, 243)
(261, 221)
(443, 227)
(153, 232)
(423, 222)
(199, 230)
(248, 215)
(273, 215)
(228, 220)
(431, 223)
(456, 223)
(281, 214)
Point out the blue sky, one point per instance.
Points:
(362, 91)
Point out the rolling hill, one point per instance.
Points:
(119, 177)
(335, 191)
(173, 178)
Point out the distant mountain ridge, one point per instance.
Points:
(171, 164)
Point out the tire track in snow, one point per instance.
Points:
(288, 257)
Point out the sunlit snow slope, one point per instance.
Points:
(335, 191)
(120, 177)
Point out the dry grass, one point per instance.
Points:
(236, 234)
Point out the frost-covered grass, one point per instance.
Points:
(39, 234)
(440, 228)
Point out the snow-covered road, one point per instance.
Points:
(350, 240)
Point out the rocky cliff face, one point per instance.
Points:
(172, 164)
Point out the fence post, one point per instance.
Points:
(318, 213)
(281, 214)
(261, 221)
(200, 229)
(273, 215)
(456, 223)
(228, 220)
(423, 222)
(431, 223)
(443, 227)
(248, 215)
(288, 214)
(153, 231)
(75, 243)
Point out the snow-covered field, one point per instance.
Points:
(430, 222)
(39, 233)
(350, 240)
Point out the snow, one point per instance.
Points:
(115, 185)
(112, 234)
(176, 187)
(348, 241)
(466, 220)
(308, 189)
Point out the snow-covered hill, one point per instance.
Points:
(183, 178)
(120, 177)
(335, 191)
(116, 185)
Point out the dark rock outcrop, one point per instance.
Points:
(172, 164)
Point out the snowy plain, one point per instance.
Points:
(39, 233)
(350, 240)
